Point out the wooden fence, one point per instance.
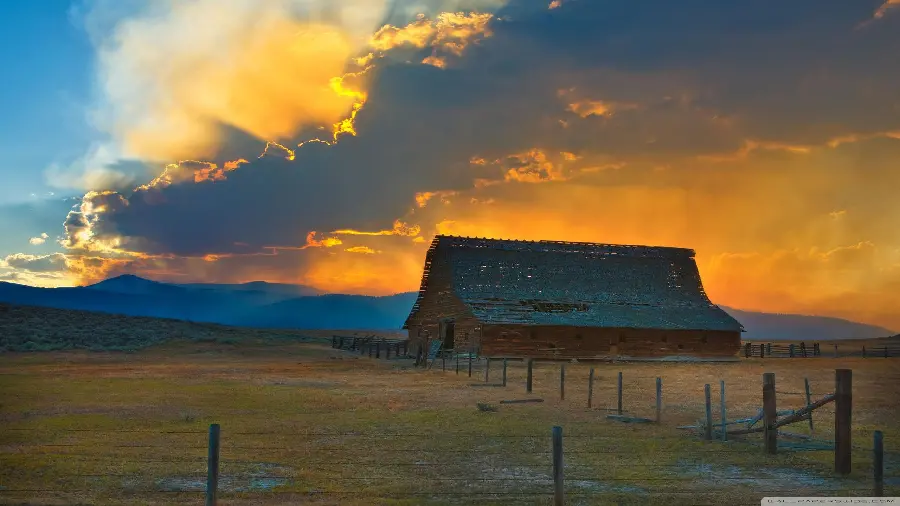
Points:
(374, 346)
(802, 350)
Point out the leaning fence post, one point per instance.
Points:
(658, 400)
(722, 407)
(558, 497)
(504, 371)
(562, 382)
(529, 380)
(843, 407)
(590, 387)
(707, 433)
(808, 402)
(878, 463)
(770, 413)
(619, 388)
(212, 465)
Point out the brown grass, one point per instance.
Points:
(331, 427)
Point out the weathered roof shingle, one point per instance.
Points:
(580, 284)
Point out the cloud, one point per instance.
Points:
(887, 6)
(55, 262)
(37, 241)
(736, 130)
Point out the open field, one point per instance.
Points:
(302, 423)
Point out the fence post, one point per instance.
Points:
(808, 402)
(590, 387)
(770, 413)
(378, 349)
(444, 362)
(487, 370)
(457, 363)
(864, 352)
(658, 400)
(558, 496)
(878, 463)
(791, 351)
(619, 388)
(562, 382)
(707, 433)
(470, 361)
(723, 414)
(504, 371)
(762, 350)
(843, 407)
(769, 349)
(212, 465)
(835, 351)
(747, 350)
(530, 378)
(885, 352)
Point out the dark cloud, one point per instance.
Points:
(702, 78)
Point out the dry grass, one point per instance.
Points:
(302, 423)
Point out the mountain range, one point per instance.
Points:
(285, 306)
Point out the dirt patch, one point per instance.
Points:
(260, 477)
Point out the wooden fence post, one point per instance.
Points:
(762, 350)
(212, 466)
(707, 433)
(791, 351)
(619, 388)
(770, 413)
(590, 387)
(878, 463)
(747, 350)
(808, 402)
(723, 414)
(504, 371)
(835, 351)
(470, 362)
(487, 370)
(558, 495)
(457, 364)
(843, 407)
(864, 352)
(530, 378)
(769, 349)
(378, 349)
(562, 382)
(658, 400)
(885, 352)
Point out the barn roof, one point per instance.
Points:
(578, 284)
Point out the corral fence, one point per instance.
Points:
(321, 465)
(802, 350)
(373, 345)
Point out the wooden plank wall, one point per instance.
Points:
(440, 302)
(573, 342)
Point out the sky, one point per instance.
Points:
(326, 142)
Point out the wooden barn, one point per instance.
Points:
(563, 300)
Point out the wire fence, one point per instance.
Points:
(440, 467)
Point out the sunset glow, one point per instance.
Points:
(328, 148)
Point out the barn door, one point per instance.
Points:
(447, 329)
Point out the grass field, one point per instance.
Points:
(305, 424)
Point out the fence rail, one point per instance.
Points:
(801, 350)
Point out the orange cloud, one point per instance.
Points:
(325, 242)
(448, 33)
(361, 249)
(400, 228)
(883, 10)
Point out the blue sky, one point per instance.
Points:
(48, 63)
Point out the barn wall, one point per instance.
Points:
(440, 302)
(583, 342)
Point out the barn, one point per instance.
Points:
(564, 300)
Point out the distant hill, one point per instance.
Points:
(284, 306)
(791, 327)
(255, 304)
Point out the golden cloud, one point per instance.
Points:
(448, 33)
